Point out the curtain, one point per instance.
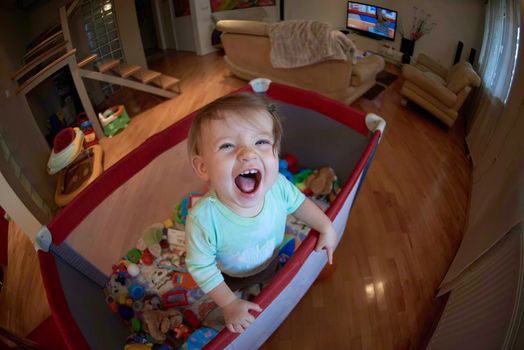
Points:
(495, 139)
(497, 63)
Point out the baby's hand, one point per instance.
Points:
(327, 240)
(237, 316)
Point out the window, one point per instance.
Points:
(500, 45)
(102, 33)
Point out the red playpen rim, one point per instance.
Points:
(71, 216)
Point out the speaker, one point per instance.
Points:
(458, 53)
(472, 54)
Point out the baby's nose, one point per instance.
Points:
(246, 154)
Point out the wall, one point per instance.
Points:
(29, 150)
(183, 30)
(129, 32)
(456, 20)
(164, 24)
(204, 24)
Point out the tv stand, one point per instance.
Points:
(389, 54)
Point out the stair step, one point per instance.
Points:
(167, 82)
(125, 70)
(145, 76)
(107, 64)
(86, 61)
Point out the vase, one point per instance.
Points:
(407, 47)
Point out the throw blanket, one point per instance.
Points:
(301, 43)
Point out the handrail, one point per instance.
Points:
(86, 60)
(42, 44)
(71, 6)
(37, 60)
(44, 70)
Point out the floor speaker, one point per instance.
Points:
(472, 54)
(458, 53)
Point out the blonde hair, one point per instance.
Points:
(242, 105)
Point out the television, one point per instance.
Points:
(376, 22)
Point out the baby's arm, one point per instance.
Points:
(236, 311)
(315, 218)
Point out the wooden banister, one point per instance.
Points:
(42, 44)
(44, 70)
(37, 60)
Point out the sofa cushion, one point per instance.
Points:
(243, 27)
(366, 69)
(460, 76)
(434, 77)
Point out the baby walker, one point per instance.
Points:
(76, 166)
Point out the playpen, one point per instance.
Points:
(80, 243)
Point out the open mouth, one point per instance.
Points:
(248, 181)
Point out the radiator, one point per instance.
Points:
(485, 307)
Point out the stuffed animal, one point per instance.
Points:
(158, 322)
(321, 182)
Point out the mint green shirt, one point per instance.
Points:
(219, 240)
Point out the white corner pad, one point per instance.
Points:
(374, 123)
(43, 239)
(260, 85)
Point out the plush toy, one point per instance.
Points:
(321, 182)
(157, 322)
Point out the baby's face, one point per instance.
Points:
(238, 160)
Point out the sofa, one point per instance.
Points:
(436, 89)
(247, 49)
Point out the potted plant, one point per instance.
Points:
(420, 25)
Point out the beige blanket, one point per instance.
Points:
(301, 43)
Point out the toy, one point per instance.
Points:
(177, 240)
(114, 120)
(180, 212)
(182, 332)
(86, 126)
(289, 245)
(147, 257)
(174, 299)
(191, 319)
(199, 338)
(321, 181)
(292, 163)
(134, 255)
(184, 279)
(133, 269)
(282, 168)
(137, 292)
(158, 322)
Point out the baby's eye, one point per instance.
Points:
(226, 146)
(263, 142)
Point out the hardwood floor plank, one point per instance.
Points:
(402, 234)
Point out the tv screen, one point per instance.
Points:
(371, 20)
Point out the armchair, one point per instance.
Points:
(436, 89)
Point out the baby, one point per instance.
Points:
(234, 232)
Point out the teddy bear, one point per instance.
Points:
(158, 322)
(321, 182)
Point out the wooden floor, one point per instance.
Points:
(402, 233)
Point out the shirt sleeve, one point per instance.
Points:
(291, 195)
(201, 256)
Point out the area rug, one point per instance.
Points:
(386, 78)
(373, 92)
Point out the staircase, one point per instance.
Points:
(55, 46)
(116, 72)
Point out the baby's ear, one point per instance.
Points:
(200, 168)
